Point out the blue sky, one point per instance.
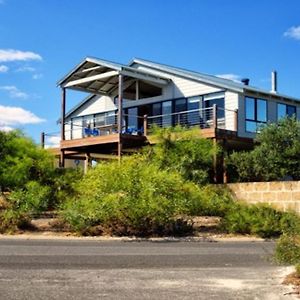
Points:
(41, 41)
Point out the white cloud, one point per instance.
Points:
(52, 142)
(293, 33)
(17, 55)
(5, 128)
(229, 76)
(13, 116)
(37, 76)
(25, 69)
(3, 69)
(14, 92)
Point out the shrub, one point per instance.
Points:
(22, 161)
(288, 249)
(297, 268)
(261, 220)
(135, 197)
(275, 156)
(31, 199)
(183, 151)
(22, 204)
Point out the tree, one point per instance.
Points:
(275, 156)
(21, 161)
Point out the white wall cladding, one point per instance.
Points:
(231, 104)
(96, 105)
(182, 87)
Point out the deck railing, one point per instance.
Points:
(212, 117)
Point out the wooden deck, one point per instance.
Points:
(103, 144)
(108, 144)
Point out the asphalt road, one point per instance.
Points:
(68, 269)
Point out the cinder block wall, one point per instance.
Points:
(283, 195)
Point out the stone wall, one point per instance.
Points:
(283, 195)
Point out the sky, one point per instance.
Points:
(42, 40)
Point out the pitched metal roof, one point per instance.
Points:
(209, 79)
(101, 77)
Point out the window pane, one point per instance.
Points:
(194, 105)
(132, 118)
(281, 111)
(261, 110)
(291, 110)
(156, 111)
(250, 108)
(250, 126)
(166, 112)
(210, 103)
(180, 105)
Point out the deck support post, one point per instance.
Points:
(120, 115)
(224, 154)
(215, 116)
(86, 162)
(63, 114)
(215, 161)
(145, 125)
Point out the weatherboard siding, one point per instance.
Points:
(96, 105)
(231, 104)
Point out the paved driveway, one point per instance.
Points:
(69, 269)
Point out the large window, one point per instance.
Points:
(132, 121)
(284, 110)
(256, 113)
(215, 99)
(194, 105)
(180, 106)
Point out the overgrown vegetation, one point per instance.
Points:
(155, 192)
(275, 156)
(261, 220)
(183, 151)
(29, 180)
(135, 197)
(288, 249)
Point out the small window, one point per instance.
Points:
(256, 113)
(285, 110)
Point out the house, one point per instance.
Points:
(150, 93)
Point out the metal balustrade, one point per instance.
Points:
(212, 117)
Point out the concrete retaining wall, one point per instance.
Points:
(283, 195)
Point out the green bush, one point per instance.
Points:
(32, 199)
(288, 249)
(23, 204)
(135, 197)
(297, 268)
(261, 220)
(21, 161)
(275, 156)
(184, 151)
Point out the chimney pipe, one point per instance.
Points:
(274, 82)
(245, 81)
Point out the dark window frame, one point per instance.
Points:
(255, 119)
(286, 110)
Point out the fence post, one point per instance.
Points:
(145, 121)
(42, 140)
